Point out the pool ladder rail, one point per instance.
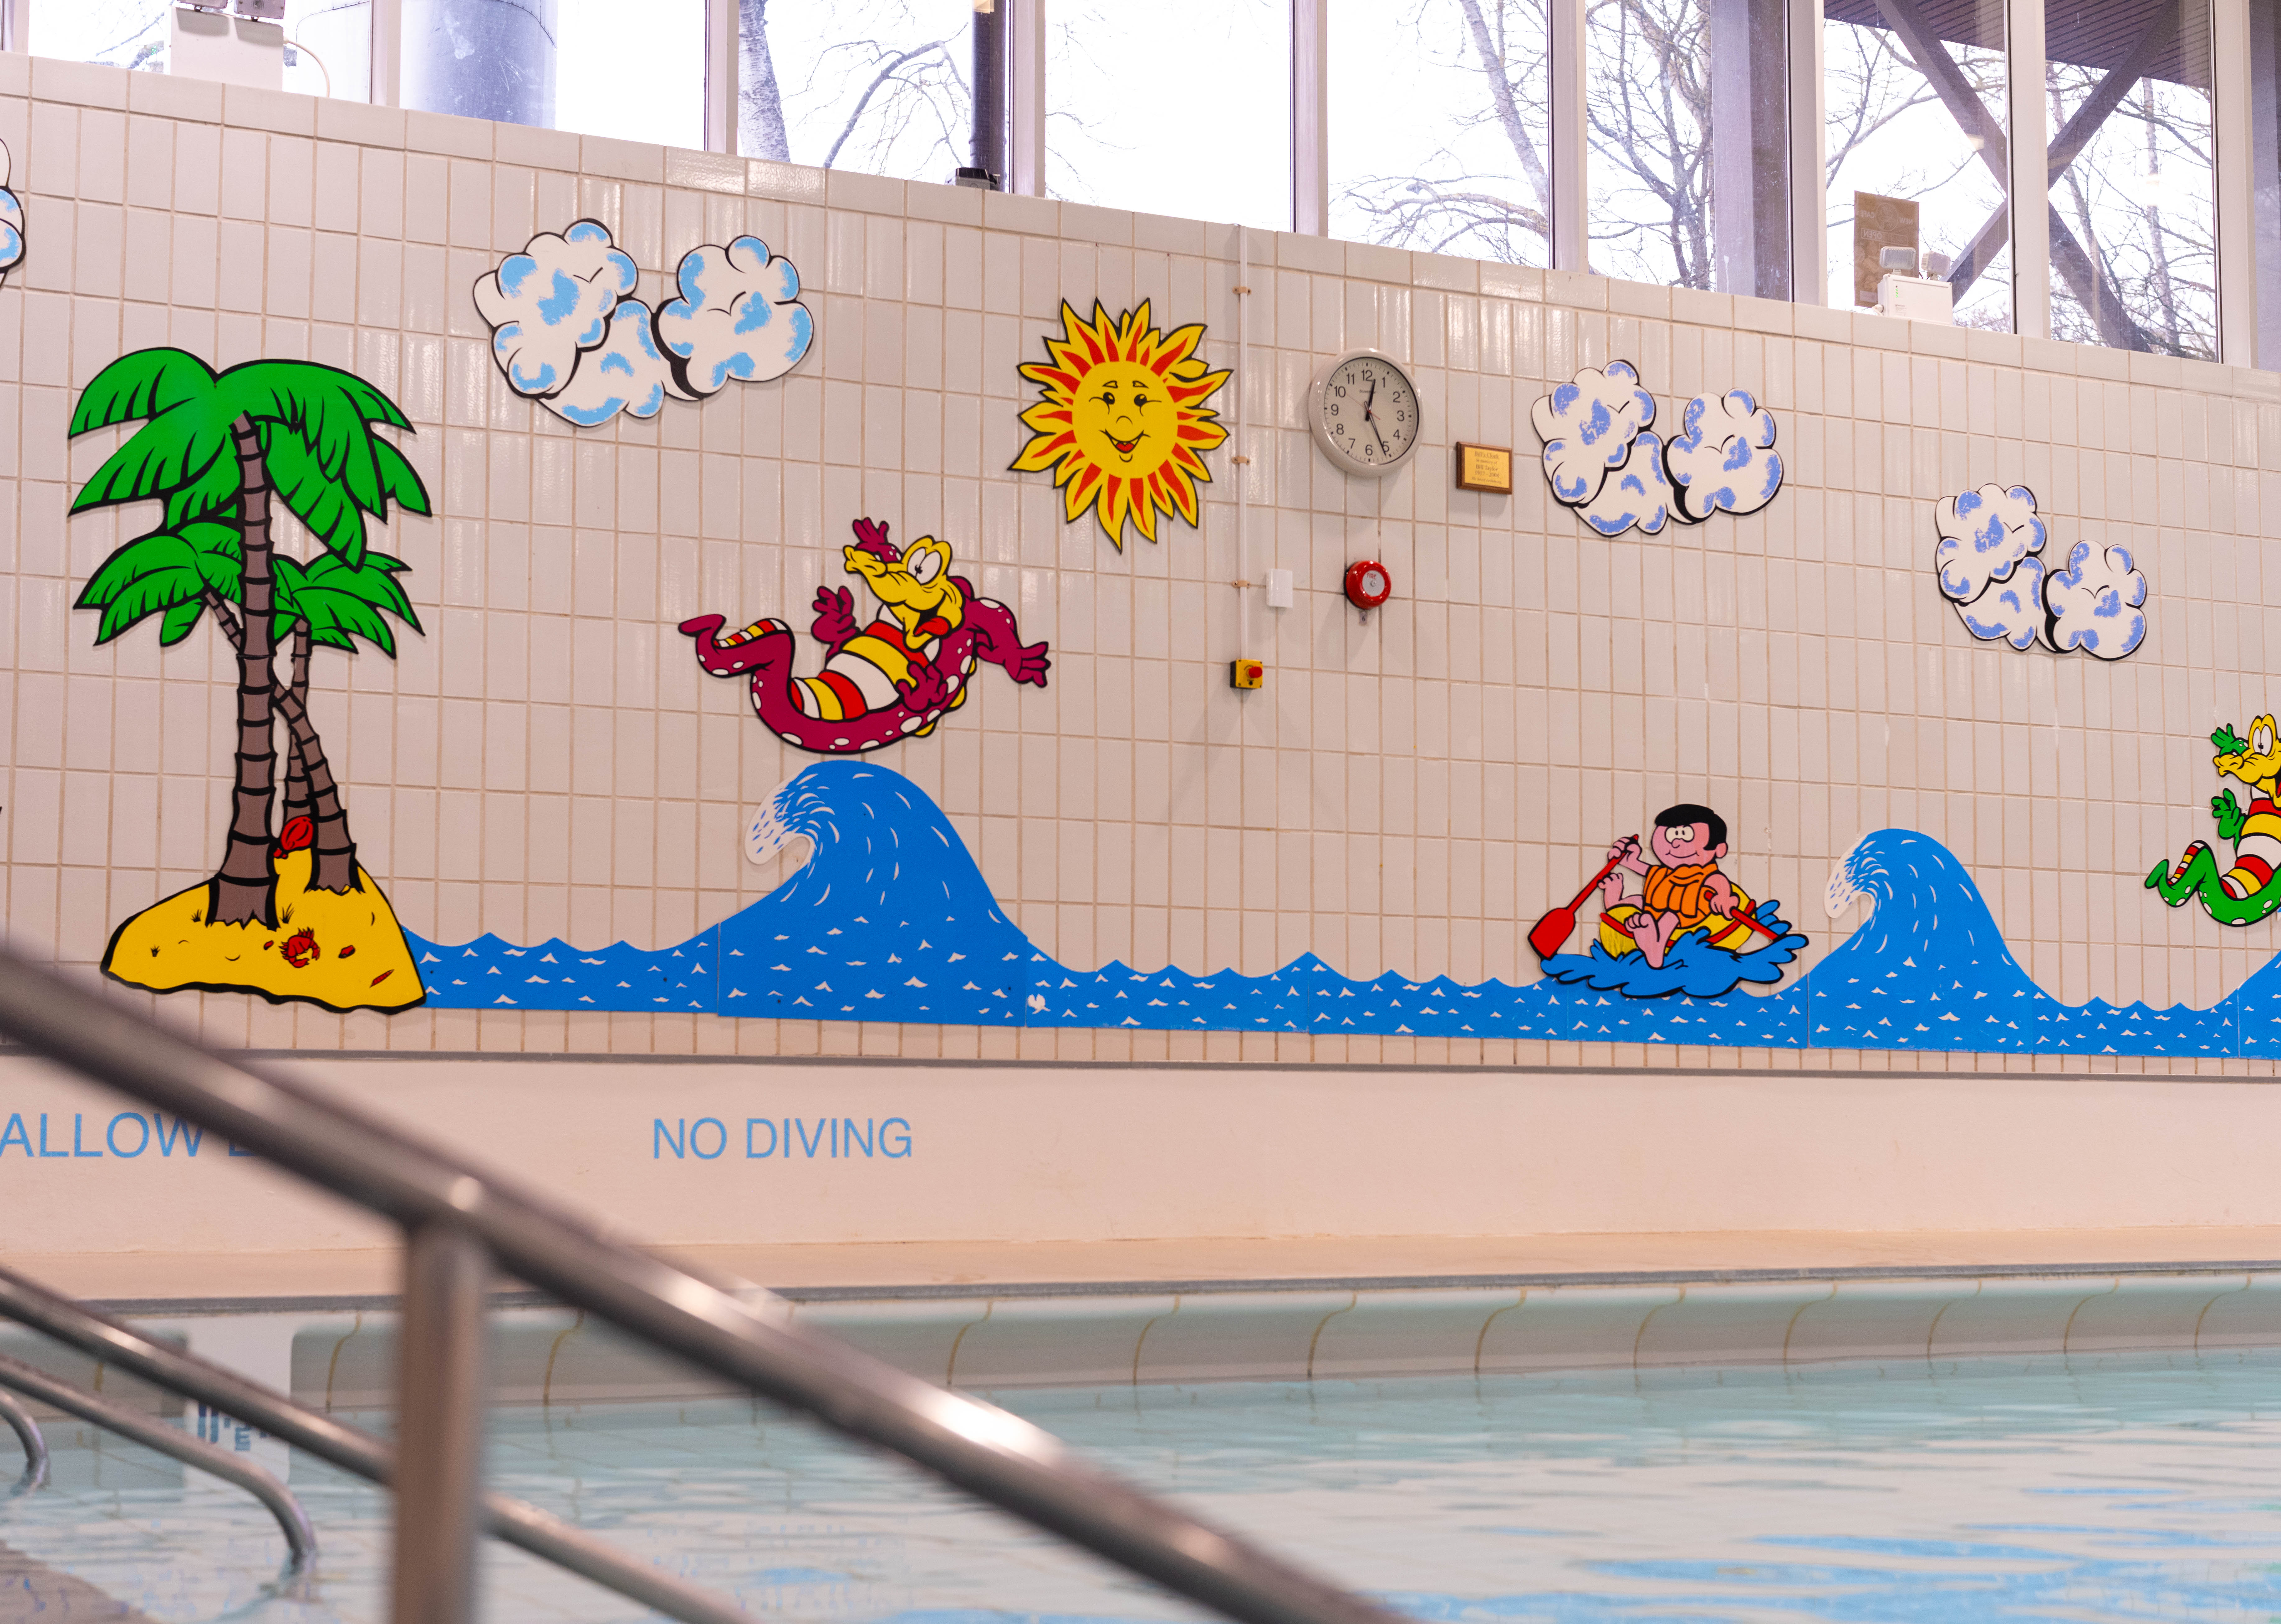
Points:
(300, 1539)
(461, 1226)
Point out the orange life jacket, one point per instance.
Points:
(1680, 891)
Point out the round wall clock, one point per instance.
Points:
(1364, 410)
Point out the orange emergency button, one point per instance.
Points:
(1247, 673)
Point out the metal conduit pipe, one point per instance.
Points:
(971, 1445)
(300, 1539)
(28, 1433)
(350, 1448)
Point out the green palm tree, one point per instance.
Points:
(215, 449)
(322, 603)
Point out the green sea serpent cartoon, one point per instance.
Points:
(2246, 892)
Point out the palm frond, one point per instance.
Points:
(141, 385)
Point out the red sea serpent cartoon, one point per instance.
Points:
(882, 683)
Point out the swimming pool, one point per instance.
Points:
(2120, 1488)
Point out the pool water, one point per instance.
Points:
(2125, 1487)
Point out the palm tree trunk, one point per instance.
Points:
(336, 849)
(296, 763)
(245, 890)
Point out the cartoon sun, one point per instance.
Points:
(1123, 419)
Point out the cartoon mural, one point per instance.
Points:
(1990, 567)
(2246, 892)
(885, 682)
(889, 919)
(289, 914)
(12, 220)
(1688, 928)
(567, 332)
(1601, 458)
(1123, 424)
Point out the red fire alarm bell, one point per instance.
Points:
(1368, 584)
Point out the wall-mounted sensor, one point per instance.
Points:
(1368, 586)
(1278, 589)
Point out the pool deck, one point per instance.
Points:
(242, 1282)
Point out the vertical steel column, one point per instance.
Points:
(440, 1382)
(1026, 96)
(2231, 100)
(2030, 180)
(989, 146)
(1809, 158)
(721, 47)
(1311, 124)
(1572, 248)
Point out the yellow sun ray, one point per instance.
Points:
(1123, 421)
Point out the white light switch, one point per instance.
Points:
(1278, 589)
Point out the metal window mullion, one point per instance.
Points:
(721, 75)
(1311, 125)
(1025, 97)
(2231, 103)
(15, 25)
(2029, 141)
(388, 53)
(1809, 158)
(1571, 217)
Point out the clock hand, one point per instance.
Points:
(1366, 399)
(1376, 431)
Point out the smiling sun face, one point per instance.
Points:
(1124, 421)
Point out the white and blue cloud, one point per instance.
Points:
(1984, 536)
(1601, 459)
(738, 316)
(12, 219)
(2096, 603)
(1723, 459)
(567, 332)
(1588, 427)
(625, 373)
(1990, 567)
(551, 303)
(1638, 493)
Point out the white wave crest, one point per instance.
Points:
(1840, 893)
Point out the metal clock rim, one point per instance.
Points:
(1330, 447)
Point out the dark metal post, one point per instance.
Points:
(990, 89)
(28, 1433)
(439, 1424)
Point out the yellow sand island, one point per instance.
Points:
(344, 951)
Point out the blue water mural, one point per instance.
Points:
(890, 920)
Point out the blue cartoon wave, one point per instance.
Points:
(890, 920)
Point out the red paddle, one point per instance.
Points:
(1553, 931)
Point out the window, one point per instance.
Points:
(2265, 225)
(329, 48)
(1438, 128)
(1914, 101)
(2134, 202)
(1687, 111)
(1174, 107)
(880, 85)
(118, 33)
(574, 65)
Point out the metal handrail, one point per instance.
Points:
(351, 1449)
(969, 1445)
(168, 1367)
(300, 1539)
(28, 1433)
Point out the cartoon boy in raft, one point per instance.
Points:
(1682, 890)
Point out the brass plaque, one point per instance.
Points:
(1485, 467)
(1878, 223)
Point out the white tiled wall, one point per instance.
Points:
(1409, 792)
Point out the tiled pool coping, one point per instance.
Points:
(341, 1352)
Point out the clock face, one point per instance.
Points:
(1366, 414)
